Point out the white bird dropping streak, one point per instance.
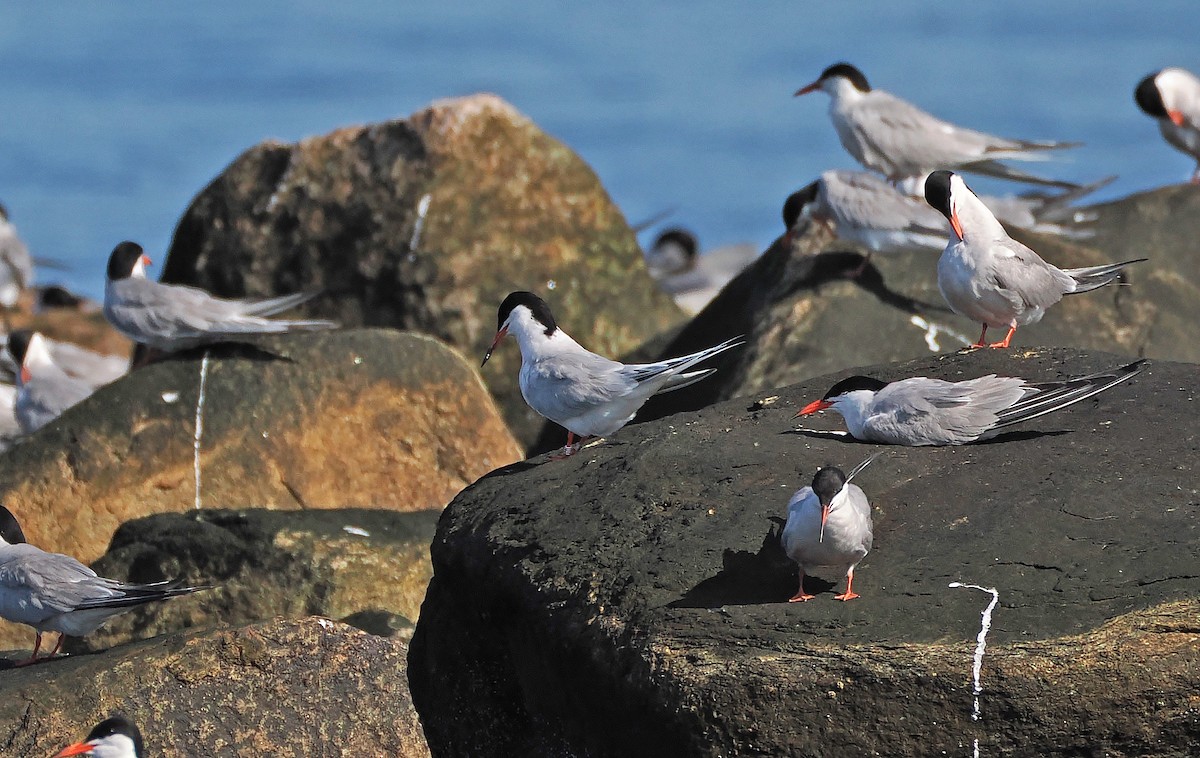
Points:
(199, 425)
(980, 647)
(422, 210)
(932, 330)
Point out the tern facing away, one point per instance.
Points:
(923, 411)
(693, 279)
(114, 737)
(172, 317)
(44, 389)
(867, 211)
(1172, 97)
(991, 278)
(899, 140)
(586, 393)
(53, 592)
(829, 524)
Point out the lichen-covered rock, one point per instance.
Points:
(426, 224)
(368, 418)
(368, 567)
(631, 599)
(284, 687)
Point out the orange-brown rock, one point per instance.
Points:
(367, 418)
(426, 224)
(284, 687)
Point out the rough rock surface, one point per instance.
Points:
(357, 563)
(507, 207)
(804, 317)
(630, 600)
(284, 687)
(366, 418)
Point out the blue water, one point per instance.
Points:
(116, 114)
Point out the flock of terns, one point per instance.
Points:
(983, 274)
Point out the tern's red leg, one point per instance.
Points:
(849, 594)
(58, 647)
(861, 267)
(982, 341)
(37, 645)
(800, 595)
(1007, 338)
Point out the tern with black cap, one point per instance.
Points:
(1172, 97)
(114, 737)
(991, 278)
(44, 389)
(586, 393)
(173, 317)
(922, 411)
(899, 140)
(53, 592)
(829, 524)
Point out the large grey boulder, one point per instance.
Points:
(630, 600)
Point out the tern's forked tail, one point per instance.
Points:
(1094, 277)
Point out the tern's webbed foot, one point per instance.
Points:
(846, 596)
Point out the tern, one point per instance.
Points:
(44, 390)
(991, 278)
(867, 211)
(899, 140)
(1172, 97)
(588, 394)
(829, 524)
(53, 592)
(16, 265)
(114, 737)
(922, 411)
(693, 279)
(173, 317)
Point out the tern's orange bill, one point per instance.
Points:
(1176, 117)
(810, 88)
(79, 748)
(813, 407)
(957, 226)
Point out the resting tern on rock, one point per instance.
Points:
(53, 592)
(829, 524)
(899, 140)
(588, 394)
(16, 265)
(44, 390)
(991, 278)
(923, 411)
(867, 211)
(1172, 97)
(115, 737)
(173, 317)
(693, 279)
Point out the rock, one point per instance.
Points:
(804, 317)
(372, 565)
(630, 600)
(284, 687)
(506, 207)
(366, 418)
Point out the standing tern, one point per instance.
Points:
(588, 394)
(44, 390)
(829, 524)
(922, 411)
(114, 737)
(899, 140)
(867, 211)
(172, 317)
(991, 278)
(53, 592)
(1172, 97)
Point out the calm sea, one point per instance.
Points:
(116, 114)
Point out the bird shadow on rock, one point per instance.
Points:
(838, 266)
(747, 578)
(247, 351)
(1013, 436)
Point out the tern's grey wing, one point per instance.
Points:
(47, 584)
(857, 501)
(96, 369)
(568, 385)
(923, 411)
(1020, 271)
(44, 398)
(916, 140)
(858, 199)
